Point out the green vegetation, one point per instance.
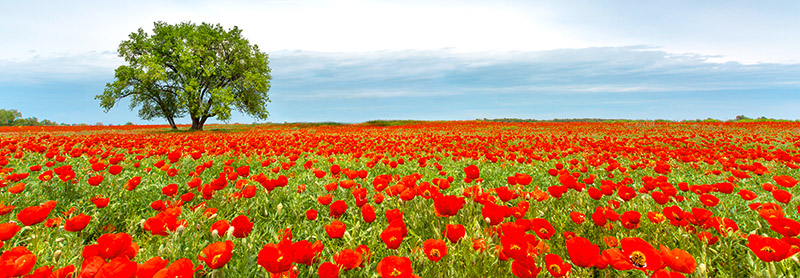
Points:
(392, 122)
(186, 69)
(12, 117)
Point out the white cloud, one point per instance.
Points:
(739, 31)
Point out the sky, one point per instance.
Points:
(354, 61)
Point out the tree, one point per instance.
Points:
(200, 70)
(8, 117)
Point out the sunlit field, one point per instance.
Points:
(402, 199)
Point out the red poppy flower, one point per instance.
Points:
(243, 171)
(90, 265)
(276, 258)
(99, 201)
(794, 245)
(95, 180)
(626, 193)
(35, 214)
(110, 246)
(121, 267)
(249, 191)
(577, 217)
(305, 252)
(707, 238)
(348, 259)
(219, 228)
(678, 260)
(454, 232)
(770, 210)
(99, 166)
(6, 209)
(217, 254)
(366, 254)
(709, 200)
(133, 183)
(394, 214)
(785, 181)
(785, 226)
(676, 216)
(493, 214)
(515, 244)
(338, 208)
(556, 266)
(328, 270)
(747, 195)
(542, 228)
(8, 230)
(16, 188)
(77, 223)
(335, 229)
(525, 267)
(151, 266)
(435, 249)
(782, 196)
(447, 205)
(64, 272)
(17, 261)
(392, 236)
(241, 226)
(368, 213)
(325, 199)
(311, 214)
(169, 190)
(768, 249)
(395, 267)
(115, 169)
(182, 268)
(636, 253)
(631, 219)
(582, 252)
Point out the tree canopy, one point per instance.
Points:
(202, 71)
(12, 117)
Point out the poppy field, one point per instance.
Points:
(419, 199)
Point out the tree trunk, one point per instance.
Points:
(197, 124)
(172, 123)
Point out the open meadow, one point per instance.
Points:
(402, 199)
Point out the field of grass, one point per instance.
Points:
(402, 198)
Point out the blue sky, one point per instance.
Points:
(353, 61)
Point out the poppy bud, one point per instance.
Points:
(229, 233)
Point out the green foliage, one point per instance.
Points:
(202, 71)
(7, 117)
(391, 122)
(12, 117)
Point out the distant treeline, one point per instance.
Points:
(738, 119)
(13, 117)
